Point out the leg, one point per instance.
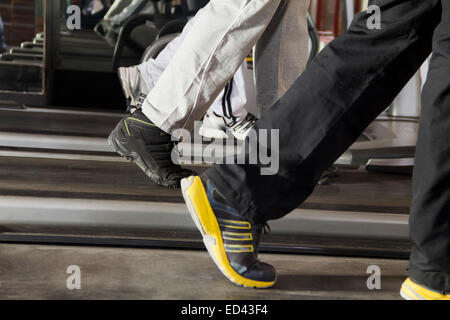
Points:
(189, 84)
(230, 103)
(355, 78)
(227, 113)
(327, 108)
(430, 213)
(152, 69)
(282, 52)
(232, 111)
(204, 64)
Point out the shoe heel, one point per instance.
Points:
(112, 141)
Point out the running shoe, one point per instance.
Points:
(142, 142)
(232, 240)
(413, 291)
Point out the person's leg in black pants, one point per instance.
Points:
(344, 89)
(430, 211)
(348, 85)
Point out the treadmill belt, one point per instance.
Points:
(61, 183)
(351, 190)
(78, 124)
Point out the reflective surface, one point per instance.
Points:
(21, 63)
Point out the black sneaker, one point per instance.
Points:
(232, 241)
(142, 142)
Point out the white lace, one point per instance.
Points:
(242, 125)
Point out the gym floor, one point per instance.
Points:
(39, 272)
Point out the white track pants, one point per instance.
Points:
(234, 101)
(216, 45)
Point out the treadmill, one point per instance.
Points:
(60, 183)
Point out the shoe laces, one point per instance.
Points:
(261, 228)
(244, 124)
(264, 228)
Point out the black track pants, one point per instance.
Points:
(347, 86)
(430, 210)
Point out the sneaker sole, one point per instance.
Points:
(201, 212)
(137, 159)
(413, 291)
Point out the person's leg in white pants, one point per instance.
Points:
(215, 47)
(229, 110)
(212, 51)
(230, 103)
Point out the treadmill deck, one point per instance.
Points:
(61, 183)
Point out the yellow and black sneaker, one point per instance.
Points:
(142, 142)
(413, 291)
(232, 241)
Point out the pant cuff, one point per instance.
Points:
(438, 281)
(156, 118)
(245, 206)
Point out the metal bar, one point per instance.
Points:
(141, 215)
(53, 142)
(319, 15)
(358, 6)
(23, 98)
(60, 156)
(350, 9)
(64, 111)
(336, 15)
(197, 245)
(52, 11)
